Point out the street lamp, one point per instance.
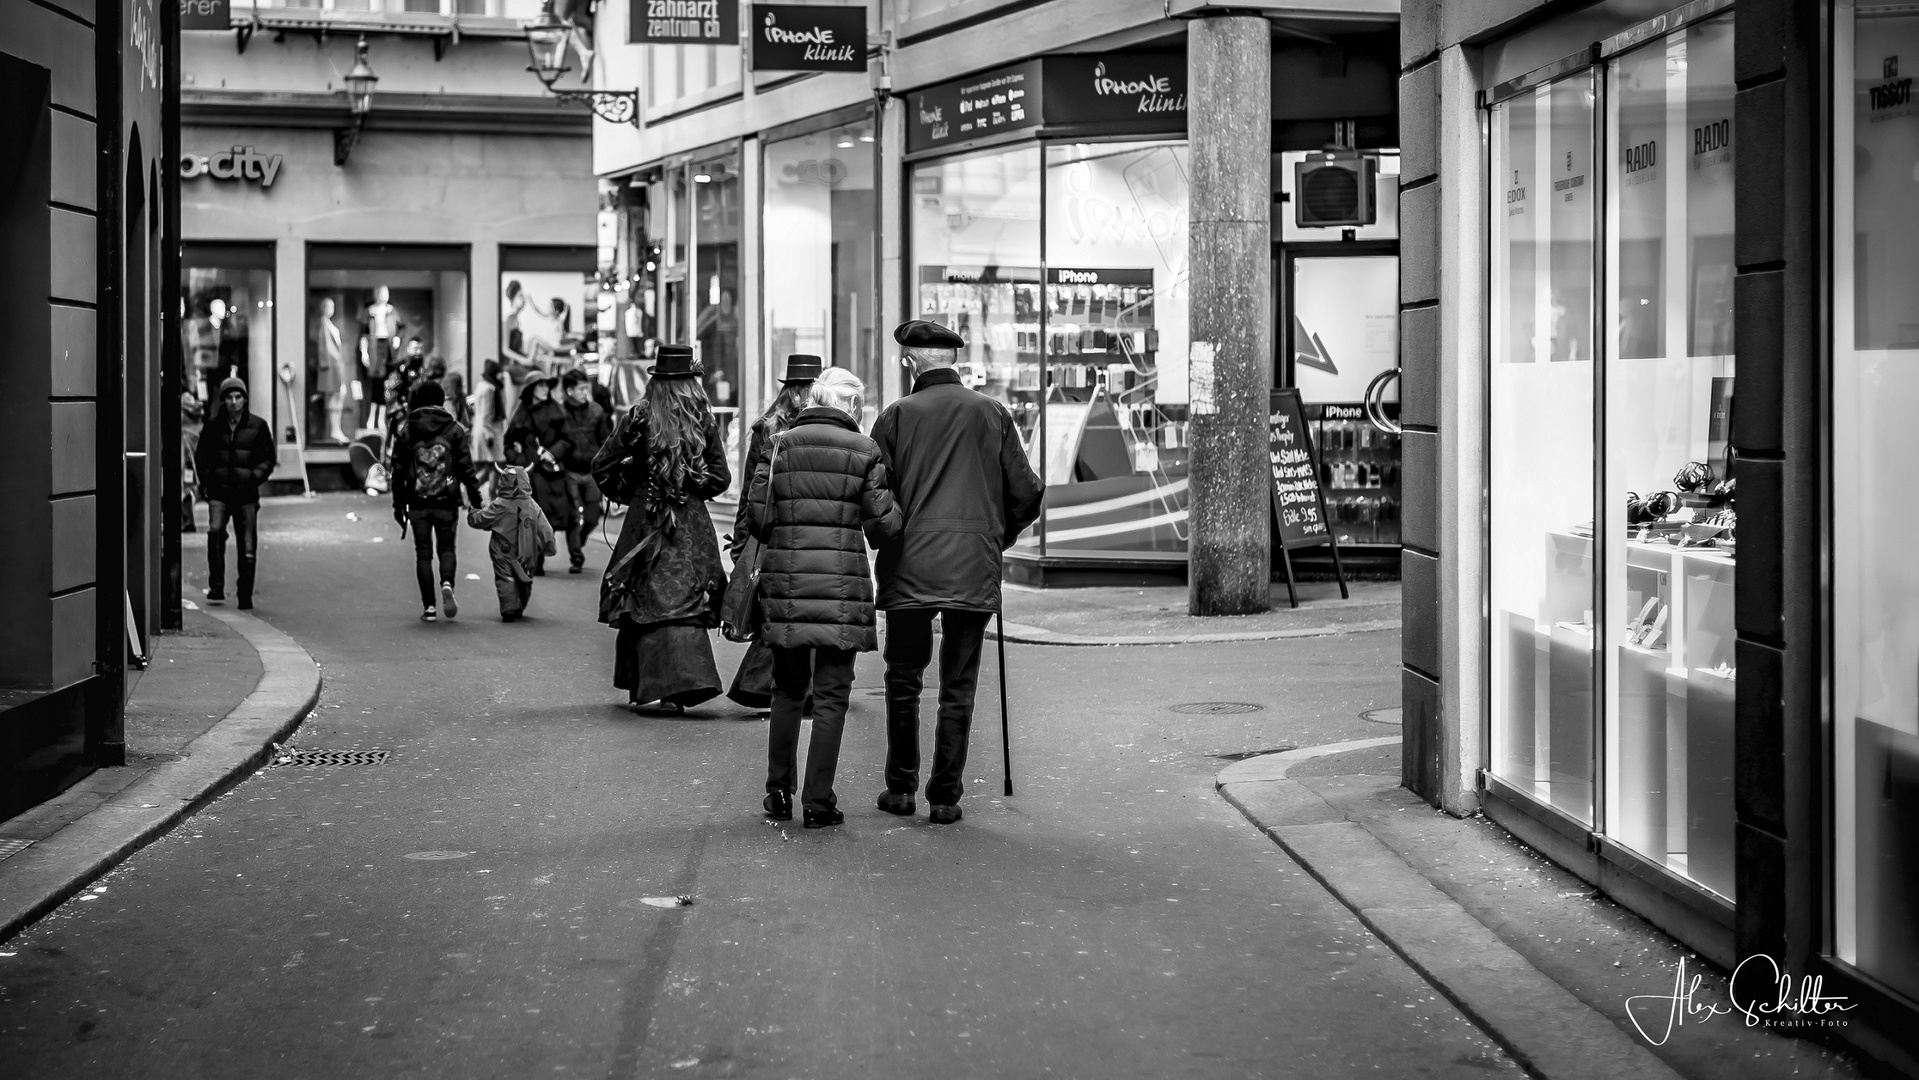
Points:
(359, 101)
(546, 42)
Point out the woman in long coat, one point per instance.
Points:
(663, 582)
(753, 682)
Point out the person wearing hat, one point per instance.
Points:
(961, 478)
(536, 429)
(662, 582)
(432, 466)
(753, 682)
(234, 457)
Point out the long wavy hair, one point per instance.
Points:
(677, 418)
(785, 407)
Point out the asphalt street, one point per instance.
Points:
(478, 904)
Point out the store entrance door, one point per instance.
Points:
(1339, 342)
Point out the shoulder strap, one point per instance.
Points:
(766, 497)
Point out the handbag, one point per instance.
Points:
(740, 614)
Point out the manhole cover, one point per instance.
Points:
(1383, 716)
(1217, 708)
(435, 856)
(307, 759)
(11, 846)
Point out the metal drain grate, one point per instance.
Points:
(11, 846)
(327, 758)
(1217, 708)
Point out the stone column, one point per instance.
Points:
(1229, 102)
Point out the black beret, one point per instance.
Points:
(927, 335)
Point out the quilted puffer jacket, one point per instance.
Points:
(829, 501)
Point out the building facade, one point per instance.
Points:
(454, 218)
(88, 206)
(1658, 328)
(1026, 174)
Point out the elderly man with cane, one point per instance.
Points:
(964, 486)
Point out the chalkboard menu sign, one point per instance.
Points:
(1298, 501)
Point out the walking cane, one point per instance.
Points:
(1005, 729)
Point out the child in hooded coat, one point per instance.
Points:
(522, 539)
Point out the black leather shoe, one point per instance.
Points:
(944, 815)
(779, 806)
(821, 819)
(897, 802)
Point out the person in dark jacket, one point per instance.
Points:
(827, 488)
(432, 466)
(964, 485)
(234, 457)
(584, 427)
(663, 581)
(534, 441)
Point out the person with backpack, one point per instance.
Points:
(432, 466)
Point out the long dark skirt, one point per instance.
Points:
(669, 662)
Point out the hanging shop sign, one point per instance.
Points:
(206, 14)
(1135, 91)
(1119, 94)
(683, 22)
(239, 163)
(805, 37)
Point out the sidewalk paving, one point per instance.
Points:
(1156, 615)
(218, 694)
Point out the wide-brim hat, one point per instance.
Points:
(675, 362)
(803, 368)
(927, 335)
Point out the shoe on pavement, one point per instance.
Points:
(576, 568)
(216, 596)
(897, 802)
(779, 805)
(447, 603)
(246, 603)
(509, 616)
(430, 615)
(821, 819)
(944, 815)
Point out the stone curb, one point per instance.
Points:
(44, 876)
(1022, 634)
(1546, 1029)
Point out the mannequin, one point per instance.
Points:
(382, 340)
(335, 369)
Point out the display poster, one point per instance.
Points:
(1065, 427)
(993, 103)
(206, 14)
(543, 316)
(807, 37)
(1122, 92)
(1345, 325)
(1299, 503)
(683, 22)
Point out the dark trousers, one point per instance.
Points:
(246, 537)
(433, 529)
(584, 499)
(909, 648)
(549, 491)
(829, 674)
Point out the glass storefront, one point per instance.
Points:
(371, 308)
(817, 235)
(227, 324)
(1064, 268)
(1612, 686)
(1875, 496)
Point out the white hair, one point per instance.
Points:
(840, 389)
(924, 356)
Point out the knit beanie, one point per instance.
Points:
(232, 382)
(427, 394)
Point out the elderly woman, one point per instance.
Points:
(662, 586)
(822, 488)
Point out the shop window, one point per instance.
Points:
(372, 310)
(227, 330)
(976, 256)
(1541, 446)
(1114, 335)
(1669, 558)
(549, 308)
(1875, 495)
(818, 252)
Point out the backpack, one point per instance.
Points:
(431, 478)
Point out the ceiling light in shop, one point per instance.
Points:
(866, 138)
(702, 178)
(845, 144)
